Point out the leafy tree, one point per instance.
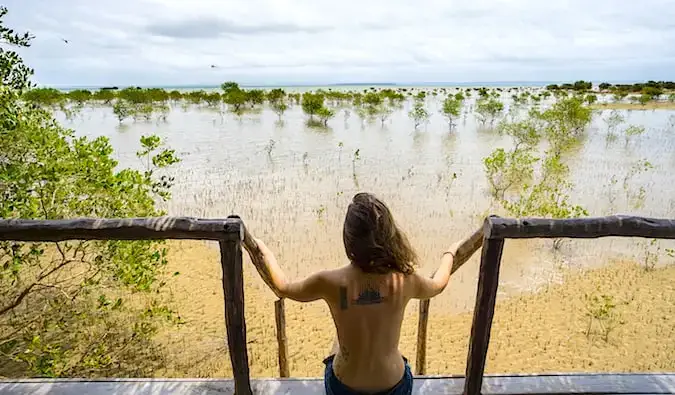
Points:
(565, 122)
(488, 110)
(175, 95)
(255, 96)
(234, 96)
(104, 95)
(276, 95)
(619, 95)
(324, 115)
(64, 307)
(279, 107)
(451, 109)
(419, 114)
(46, 97)
(653, 92)
(633, 131)
(122, 110)
(79, 96)
(613, 121)
(312, 103)
(644, 98)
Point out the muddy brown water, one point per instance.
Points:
(295, 197)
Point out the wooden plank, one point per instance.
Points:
(488, 280)
(119, 229)
(421, 363)
(233, 291)
(493, 385)
(282, 342)
(616, 225)
(466, 250)
(256, 255)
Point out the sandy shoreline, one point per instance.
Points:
(536, 332)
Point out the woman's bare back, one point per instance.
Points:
(368, 313)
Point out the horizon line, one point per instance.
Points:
(294, 85)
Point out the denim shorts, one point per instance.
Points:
(335, 387)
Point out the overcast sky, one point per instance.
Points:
(175, 42)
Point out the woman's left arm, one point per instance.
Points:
(307, 290)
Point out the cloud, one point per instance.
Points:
(211, 27)
(174, 42)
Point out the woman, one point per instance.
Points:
(367, 299)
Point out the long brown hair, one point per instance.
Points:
(372, 240)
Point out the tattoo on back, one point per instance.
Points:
(369, 296)
(344, 302)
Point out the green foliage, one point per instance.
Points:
(419, 114)
(255, 96)
(234, 96)
(104, 95)
(613, 121)
(653, 92)
(590, 99)
(276, 95)
(601, 309)
(505, 170)
(521, 189)
(122, 110)
(312, 103)
(564, 122)
(63, 309)
(279, 106)
(633, 131)
(79, 96)
(488, 110)
(45, 97)
(644, 99)
(324, 115)
(451, 108)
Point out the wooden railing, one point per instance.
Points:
(231, 234)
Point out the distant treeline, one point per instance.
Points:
(582, 85)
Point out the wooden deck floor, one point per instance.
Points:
(502, 385)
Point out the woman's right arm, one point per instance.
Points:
(427, 287)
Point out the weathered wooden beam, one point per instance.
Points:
(581, 228)
(255, 254)
(233, 291)
(488, 280)
(466, 250)
(119, 229)
(422, 323)
(464, 253)
(282, 342)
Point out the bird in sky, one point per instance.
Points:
(64, 40)
(213, 66)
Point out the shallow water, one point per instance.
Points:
(295, 197)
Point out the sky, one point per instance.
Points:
(278, 42)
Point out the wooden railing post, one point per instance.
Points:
(282, 343)
(233, 290)
(420, 365)
(488, 279)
